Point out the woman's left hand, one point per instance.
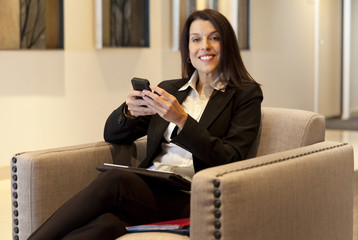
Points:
(166, 105)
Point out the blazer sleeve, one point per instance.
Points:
(230, 137)
(122, 130)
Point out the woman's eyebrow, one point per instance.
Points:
(214, 32)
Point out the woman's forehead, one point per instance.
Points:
(200, 26)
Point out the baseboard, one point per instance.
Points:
(354, 112)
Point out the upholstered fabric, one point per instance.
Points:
(47, 178)
(278, 197)
(305, 193)
(284, 129)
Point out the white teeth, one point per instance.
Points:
(206, 57)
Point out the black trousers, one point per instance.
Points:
(114, 200)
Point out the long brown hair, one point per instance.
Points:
(231, 64)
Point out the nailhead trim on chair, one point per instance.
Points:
(217, 212)
(282, 159)
(217, 192)
(15, 204)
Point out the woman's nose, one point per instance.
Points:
(205, 44)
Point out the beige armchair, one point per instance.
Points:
(296, 186)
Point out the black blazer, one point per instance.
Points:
(224, 134)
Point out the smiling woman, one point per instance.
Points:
(204, 49)
(206, 119)
(209, 35)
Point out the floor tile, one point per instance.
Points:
(345, 136)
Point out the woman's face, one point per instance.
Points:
(204, 48)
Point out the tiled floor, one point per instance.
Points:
(5, 194)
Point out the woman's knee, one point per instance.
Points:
(115, 182)
(116, 177)
(109, 222)
(106, 226)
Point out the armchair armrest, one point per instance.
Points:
(304, 193)
(43, 180)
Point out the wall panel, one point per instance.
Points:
(9, 24)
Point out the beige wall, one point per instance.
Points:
(58, 98)
(354, 58)
(330, 57)
(282, 51)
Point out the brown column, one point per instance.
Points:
(52, 24)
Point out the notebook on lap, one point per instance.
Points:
(163, 177)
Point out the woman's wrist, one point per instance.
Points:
(127, 113)
(182, 122)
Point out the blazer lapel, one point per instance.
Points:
(160, 125)
(181, 95)
(215, 106)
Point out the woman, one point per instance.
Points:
(209, 117)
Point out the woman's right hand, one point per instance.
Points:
(136, 107)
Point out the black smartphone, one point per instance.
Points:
(140, 84)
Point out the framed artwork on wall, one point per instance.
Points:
(31, 24)
(122, 23)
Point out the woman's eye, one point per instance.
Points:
(216, 38)
(195, 39)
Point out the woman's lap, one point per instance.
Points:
(122, 194)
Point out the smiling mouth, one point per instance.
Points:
(207, 57)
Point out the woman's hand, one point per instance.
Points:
(137, 107)
(166, 105)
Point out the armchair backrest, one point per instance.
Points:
(283, 129)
